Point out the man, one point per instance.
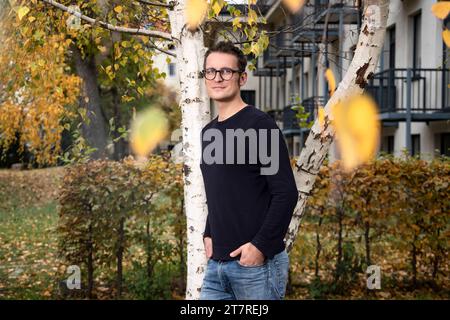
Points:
(248, 212)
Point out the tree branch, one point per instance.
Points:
(170, 5)
(136, 31)
(162, 50)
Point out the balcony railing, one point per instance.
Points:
(290, 121)
(311, 106)
(422, 90)
(276, 115)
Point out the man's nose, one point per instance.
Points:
(218, 77)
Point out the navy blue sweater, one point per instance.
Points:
(244, 205)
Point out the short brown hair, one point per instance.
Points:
(228, 47)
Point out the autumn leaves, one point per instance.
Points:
(441, 10)
(356, 125)
(196, 11)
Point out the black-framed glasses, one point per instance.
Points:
(225, 73)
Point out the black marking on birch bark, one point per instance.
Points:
(365, 30)
(200, 269)
(321, 159)
(188, 100)
(370, 76)
(191, 228)
(186, 170)
(300, 168)
(307, 194)
(360, 80)
(310, 156)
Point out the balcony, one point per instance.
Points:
(290, 121)
(284, 45)
(312, 104)
(348, 10)
(309, 29)
(421, 92)
(310, 22)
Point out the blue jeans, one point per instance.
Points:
(229, 280)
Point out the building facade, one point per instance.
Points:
(411, 84)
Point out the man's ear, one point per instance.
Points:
(242, 79)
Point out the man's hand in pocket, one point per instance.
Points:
(207, 241)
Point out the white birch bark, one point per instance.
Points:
(194, 104)
(364, 62)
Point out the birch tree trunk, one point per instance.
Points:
(361, 69)
(195, 111)
(195, 114)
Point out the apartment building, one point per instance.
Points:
(410, 84)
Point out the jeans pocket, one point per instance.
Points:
(252, 267)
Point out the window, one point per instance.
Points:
(296, 148)
(291, 92)
(306, 86)
(171, 69)
(415, 144)
(391, 57)
(445, 144)
(417, 41)
(248, 96)
(388, 144)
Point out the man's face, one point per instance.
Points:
(220, 89)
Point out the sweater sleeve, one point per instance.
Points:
(283, 190)
(207, 232)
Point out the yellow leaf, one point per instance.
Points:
(252, 17)
(147, 130)
(321, 116)
(446, 37)
(357, 130)
(31, 19)
(294, 5)
(102, 49)
(255, 48)
(118, 9)
(195, 13)
(236, 23)
(23, 10)
(217, 7)
(441, 9)
(331, 81)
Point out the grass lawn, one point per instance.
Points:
(28, 252)
(28, 220)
